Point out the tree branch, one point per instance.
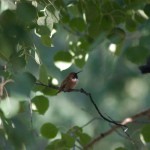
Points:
(114, 128)
(108, 119)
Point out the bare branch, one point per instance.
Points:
(108, 119)
(114, 128)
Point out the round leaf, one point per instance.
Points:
(84, 138)
(63, 60)
(80, 62)
(26, 12)
(68, 140)
(49, 91)
(41, 103)
(49, 130)
(46, 40)
(43, 30)
(63, 56)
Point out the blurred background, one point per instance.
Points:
(43, 41)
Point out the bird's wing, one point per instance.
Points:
(63, 85)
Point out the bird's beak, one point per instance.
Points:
(79, 72)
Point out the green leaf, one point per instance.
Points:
(6, 49)
(106, 23)
(57, 144)
(146, 133)
(26, 12)
(139, 17)
(137, 54)
(63, 56)
(48, 130)
(84, 138)
(49, 91)
(94, 30)
(92, 12)
(118, 16)
(147, 9)
(43, 30)
(77, 24)
(131, 24)
(117, 35)
(120, 148)
(46, 40)
(45, 21)
(68, 140)
(41, 103)
(64, 16)
(80, 62)
(76, 131)
(43, 76)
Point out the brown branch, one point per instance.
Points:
(114, 128)
(108, 119)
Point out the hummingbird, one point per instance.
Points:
(69, 82)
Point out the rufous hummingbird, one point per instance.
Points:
(69, 82)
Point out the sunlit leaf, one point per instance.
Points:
(7, 4)
(63, 59)
(48, 130)
(139, 17)
(41, 103)
(45, 21)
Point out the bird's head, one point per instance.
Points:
(74, 75)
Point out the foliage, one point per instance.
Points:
(39, 37)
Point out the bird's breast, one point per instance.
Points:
(71, 84)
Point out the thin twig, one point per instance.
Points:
(89, 122)
(124, 127)
(31, 113)
(114, 128)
